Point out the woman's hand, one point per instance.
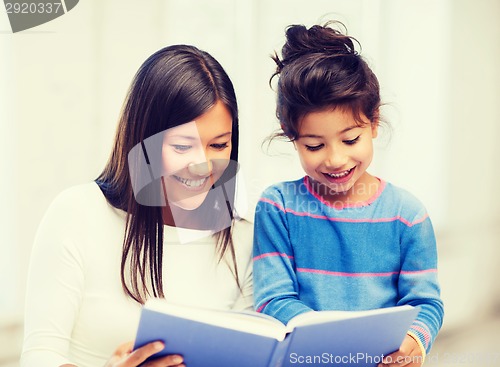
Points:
(409, 355)
(124, 356)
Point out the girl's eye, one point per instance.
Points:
(352, 141)
(181, 148)
(314, 148)
(219, 146)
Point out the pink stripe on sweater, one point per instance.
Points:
(344, 274)
(271, 254)
(262, 307)
(345, 220)
(424, 332)
(409, 272)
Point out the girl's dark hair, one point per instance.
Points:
(320, 69)
(173, 86)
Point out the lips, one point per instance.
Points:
(339, 177)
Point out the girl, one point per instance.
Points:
(145, 227)
(340, 238)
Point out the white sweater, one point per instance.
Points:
(76, 309)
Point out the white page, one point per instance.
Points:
(250, 322)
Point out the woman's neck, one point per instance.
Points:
(178, 217)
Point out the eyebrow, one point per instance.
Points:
(320, 136)
(223, 135)
(189, 137)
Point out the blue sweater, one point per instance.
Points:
(309, 255)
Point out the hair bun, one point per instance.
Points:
(321, 40)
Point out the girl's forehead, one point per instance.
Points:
(330, 119)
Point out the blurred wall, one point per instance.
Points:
(63, 83)
(470, 245)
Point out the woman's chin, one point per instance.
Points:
(190, 203)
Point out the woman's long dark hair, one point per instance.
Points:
(172, 87)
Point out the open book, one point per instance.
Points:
(206, 337)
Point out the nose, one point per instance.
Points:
(201, 169)
(335, 159)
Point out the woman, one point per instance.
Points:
(157, 222)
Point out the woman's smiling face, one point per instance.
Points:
(195, 156)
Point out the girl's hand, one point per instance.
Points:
(409, 355)
(123, 356)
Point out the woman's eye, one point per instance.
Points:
(352, 141)
(220, 146)
(313, 148)
(181, 148)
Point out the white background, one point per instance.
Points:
(62, 85)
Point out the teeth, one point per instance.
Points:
(191, 183)
(339, 175)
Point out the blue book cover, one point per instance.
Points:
(352, 340)
(206, 337)
(242, 339)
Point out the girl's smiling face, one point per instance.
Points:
(335, 150)
(195, 156)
